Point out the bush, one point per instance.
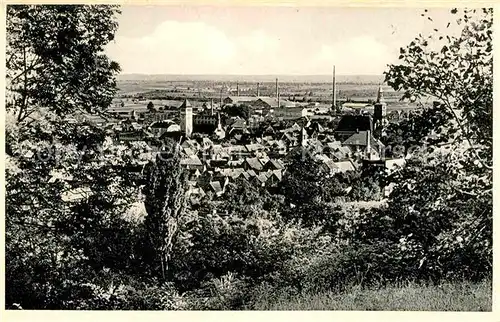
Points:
(225, 293)
(215, 245)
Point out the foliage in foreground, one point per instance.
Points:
(71, 244)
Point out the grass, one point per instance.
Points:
(458, 296)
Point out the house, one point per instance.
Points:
(235, 163)
(365, 144)
(255, 149)
(336, 151)
(206, 143)
(264, 159)
(337, 167)
(315, 147)
(195, 146)
(246, 175)
(192, 163)
(236, 152)
(357, 106)
(260, 179)
(238, 125)
(271, 102)
(237, 172)
(288, 113)
(217, 152)
(274, 164)
(159, 116)
(205, 123)
(252, 164)
(218, 163)
(351, 124)
(136, 112)
(235, 100)
(274, 177)
(134, 135)
(294, 128)
(216, 187)
(251, 173)
(290, 139)
(160, 127)
(188, 151)
(278, 148)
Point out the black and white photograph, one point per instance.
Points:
(260, 157)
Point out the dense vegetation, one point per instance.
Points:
(76, 238)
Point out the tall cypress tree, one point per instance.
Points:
(164, 192)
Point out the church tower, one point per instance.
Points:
(219, 131)
(186, 118)
(334, 96)
(379, 109)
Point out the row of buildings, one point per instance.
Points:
(217, 149)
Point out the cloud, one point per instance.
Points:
(258, 42)
(192, 48)
(199, 48)
(359, 55)
(179, 47)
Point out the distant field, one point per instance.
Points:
(160, 88)
(357, 79)
(459, 296)
(298, 90)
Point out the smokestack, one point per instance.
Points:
(221, 96)
(212, 106)
(334, 97)
(258, 91)
(237, 89)
(277, 92)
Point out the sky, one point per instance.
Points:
(201, 40)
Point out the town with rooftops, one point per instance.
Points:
(250, 136)
(186, 157)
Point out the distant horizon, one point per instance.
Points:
(283, 78)
(227, 74)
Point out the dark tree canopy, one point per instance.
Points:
(55, 58)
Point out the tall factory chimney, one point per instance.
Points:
(334, 96)
(277, 92)
(221, 88)
(211, 106)
(237, 89)
(258, 91)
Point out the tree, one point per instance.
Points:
(419, 129)
(55, 58)
(459, 75)
(151, 107)
(304, 178)
(453, 180)
(67, 188)
(241, 110)
(165, 201)
(67, 184)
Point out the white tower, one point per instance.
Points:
(187, 118)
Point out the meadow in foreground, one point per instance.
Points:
(456, 296)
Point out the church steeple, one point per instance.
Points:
(380, 95)
(219, 131)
